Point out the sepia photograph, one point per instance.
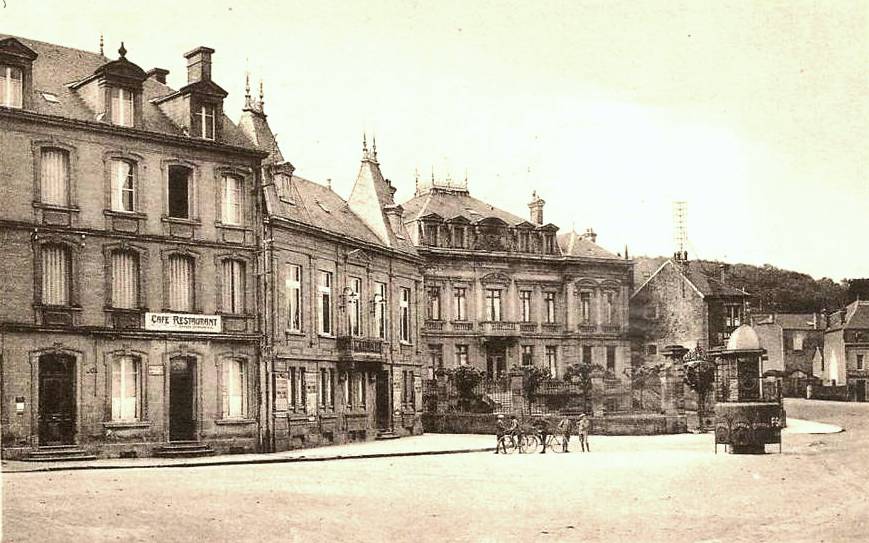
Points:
(298, 271)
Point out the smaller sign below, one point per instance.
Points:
(155, 370)
(183, 322)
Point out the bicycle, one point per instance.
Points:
(554, 442)
(522, 442)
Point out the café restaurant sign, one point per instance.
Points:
(183, 322)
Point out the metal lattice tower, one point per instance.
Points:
(680, 226)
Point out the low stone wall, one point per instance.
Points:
(820, 392)
(616, 425)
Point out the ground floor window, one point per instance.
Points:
(234, 389)
(125, 389)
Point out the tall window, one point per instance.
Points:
(327, 387)
(461, 355)
(436, 356)
(798, 341)
(361, 390)
(431, 230)
(181, 283)
(125, 388)
(56, 275)
(585, 307)
(179, 192)
(324, 303)
(527, 355)
(493, 304)
(525, 303)
(232, 197)
(54, 177)
(552, 360)
(380, 304)
(587, 357)
(354, 308)
(294, 298)
(205, 118)
(611, 358)
(11, 86)
(459, 237)
(123, 186)
(434, 304)
(732, 315)
(524, 241)
(549, 243)
(125, 280)
(609, 307)
(122, 106)
(460, 300)
(860, 365)
(233, 286)
(549, 300)
(404, 308)
(234, 389)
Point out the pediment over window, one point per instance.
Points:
(496, 278)
(359, 257)
(204, 88)
(432, 217)
(525, 226)
(459, 219)
(10, 47)
(122, 72)
(491, 221)
(548, 228)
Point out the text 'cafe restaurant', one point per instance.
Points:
(180, 384)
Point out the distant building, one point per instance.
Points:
(791, 340)
(504, 291)
(682, 304)
(846, 350)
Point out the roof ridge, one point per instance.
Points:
(52, 44)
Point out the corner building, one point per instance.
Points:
(128, 322)
(503, 291)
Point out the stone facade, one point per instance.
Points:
(501, 291)
(846, 350)
(97, 241)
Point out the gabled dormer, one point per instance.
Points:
(198, 106)
(114, 91)
(16, 74)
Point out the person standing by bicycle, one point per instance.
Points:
(543, 432)
(500, 430)
(584, 427)
(565, 426)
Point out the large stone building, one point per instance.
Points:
(503, 291)
(128, 317)
(846, 350)
(792, 341)
(681, 303)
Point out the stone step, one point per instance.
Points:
(58, 453)
(386, 435)
(183, 449)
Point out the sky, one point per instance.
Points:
(754, 113)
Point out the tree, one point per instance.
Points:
(700, 377)
(581, 374)
(639, 377)
(532, 378)
(466, 379)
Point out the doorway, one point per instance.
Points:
(496, 360)
(182, 423)
(56, 400)
(860, 390)
(381, 415)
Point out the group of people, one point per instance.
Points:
(565, 428)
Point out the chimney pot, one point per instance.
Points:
(199, 64)
(536, 207)
(158, 74)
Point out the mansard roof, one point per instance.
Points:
(57, 69)
(854, 316)
(455, 203)
(573, 244)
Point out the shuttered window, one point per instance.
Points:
(122, 107)
(54, 177)
(234, 389)
(231, 200)
(181, 285)
(125, 279)
(56, 275)
(233, 286)
(125, 388)
(11, 82)
(123, 186)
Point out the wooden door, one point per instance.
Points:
(56, 400)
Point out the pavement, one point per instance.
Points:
(428, 444)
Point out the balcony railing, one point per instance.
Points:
(528, 327)
(435, 326)
(587, 328)
(369, 347)
(551, 327)
(500, 328)
(611, 328)
(463, 326)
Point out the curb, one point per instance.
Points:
(289, 460)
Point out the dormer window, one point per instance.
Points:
(284, 188)
(205, 118)
(122, 106)
(11, 86)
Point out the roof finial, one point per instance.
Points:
(416, 175)
(122, 51)
(432, 175)
(374, 148)
(248, 104)
(364, 146)
(101, 45)
(262, 102)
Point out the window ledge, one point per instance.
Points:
(55, 207)
(122, 424)
(234, 422)
(179, 220)
(244, 227)
(125, 214)
(300, 333)
(76, 308)
(326, 336)
(403, 342)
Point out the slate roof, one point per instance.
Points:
(789, 321)
(573, 244)
(856, 316)
(454, 203)
(57, 67)
(706, 285)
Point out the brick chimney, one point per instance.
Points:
(590, 235)
(536, 207)
(199, 64)
(395, 215)
(157, 74)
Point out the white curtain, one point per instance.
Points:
(55, 275)
(234, 383)
(125, 388)
(231, 200)
(54, 178)
(233, 286)
(125, 280)
(181, 283)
